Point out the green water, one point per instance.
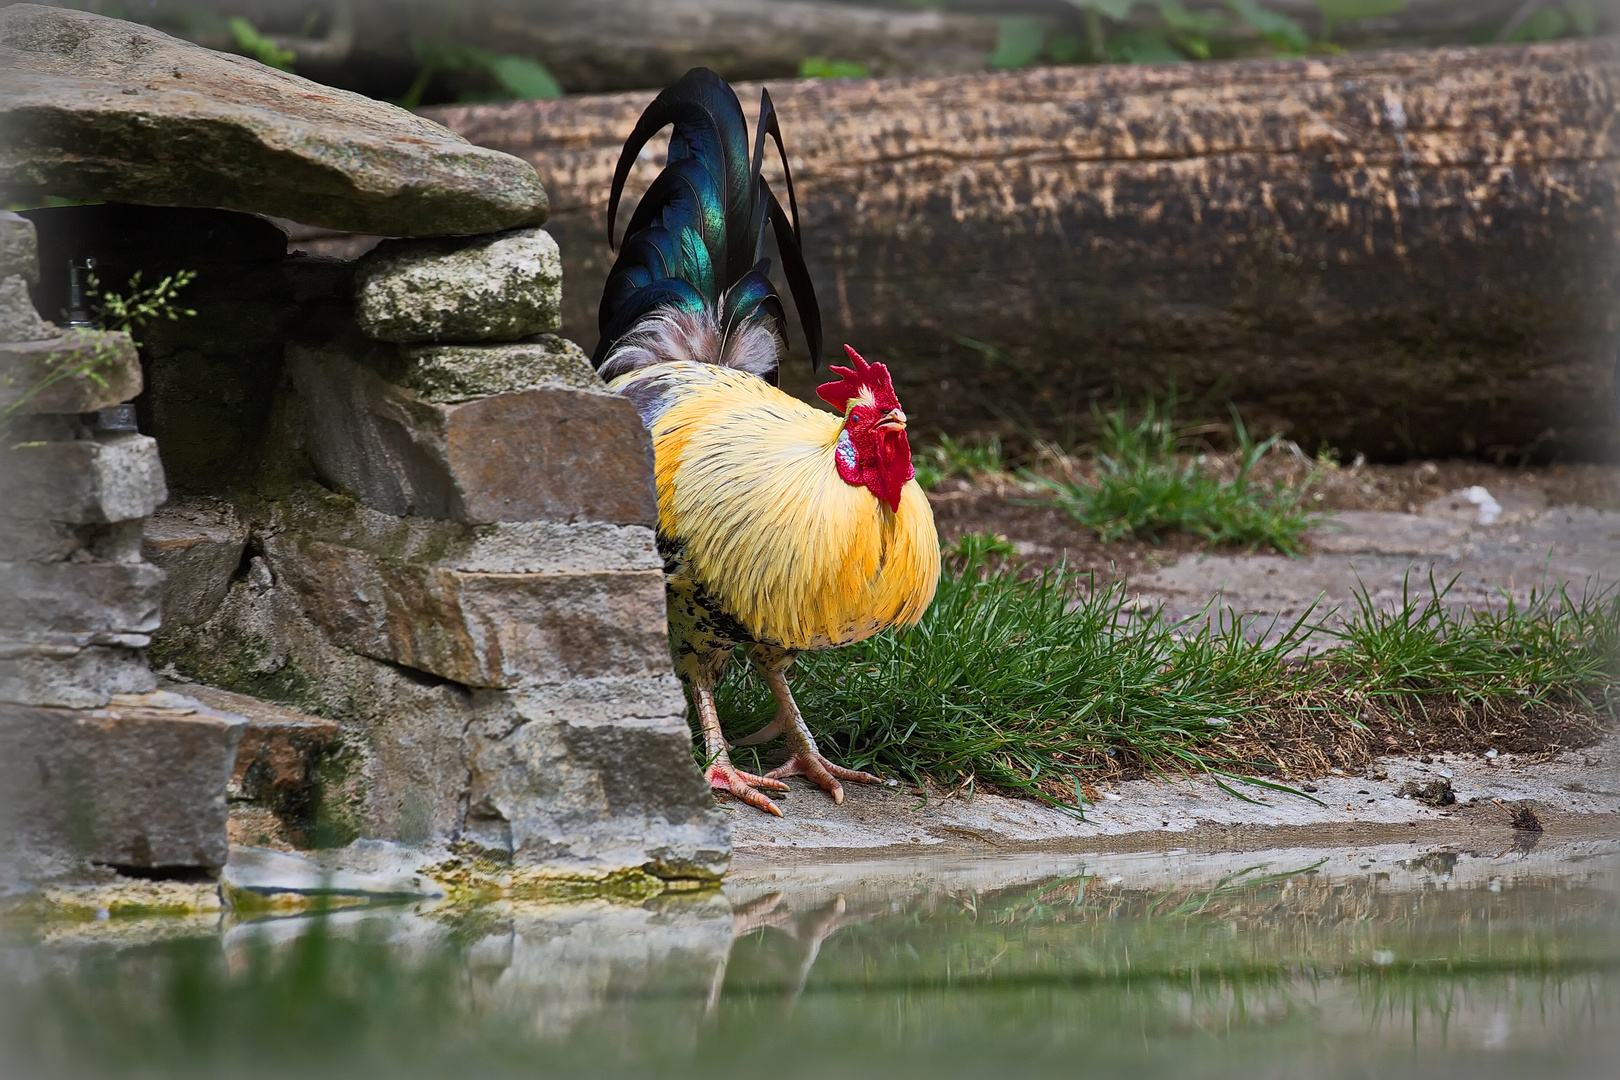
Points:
(1378, 963)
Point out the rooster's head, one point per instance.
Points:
(873, 451)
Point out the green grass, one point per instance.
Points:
(1144, 488)
(948, 458)
(1041, 685)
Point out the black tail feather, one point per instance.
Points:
(695, 240)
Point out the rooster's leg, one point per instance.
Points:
(772, 664)
(721, 774)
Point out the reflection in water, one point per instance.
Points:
(1284, 964)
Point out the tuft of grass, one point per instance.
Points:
(948, 458)
(1043, 686)
(1143, 488)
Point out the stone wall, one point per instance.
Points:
(442, 541)
(95, 765)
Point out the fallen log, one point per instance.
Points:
(1401, 253)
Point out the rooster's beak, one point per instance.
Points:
(893, 420)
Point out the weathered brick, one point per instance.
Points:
(140, 783)
(87, 481)
(77, 372)
(550, 453)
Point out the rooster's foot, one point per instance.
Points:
(807, 761)
(723, 776)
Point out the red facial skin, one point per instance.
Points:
(876, 429)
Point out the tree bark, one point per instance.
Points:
(1401, 253)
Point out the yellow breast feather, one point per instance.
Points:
(747, 482)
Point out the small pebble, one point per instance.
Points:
(1491, 754)
(1111, 797)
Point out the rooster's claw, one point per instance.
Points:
(723, 776)
(823, 773)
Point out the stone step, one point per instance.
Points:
(138, 784)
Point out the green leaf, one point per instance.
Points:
(1178, 18)
(1279, 30)
(1143, 47)
(1019, 40)
(1340, 10)
(819, 67)
(259, 47)
(524, 78)
(1066, 48)
(1117, 10)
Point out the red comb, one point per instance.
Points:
(855, 379)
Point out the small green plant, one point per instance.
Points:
(948, 458)
(254, 44)
(517, 77)
(89, 356)
(819, 67)
(981, 549)
(1145, 488)
(141, 305)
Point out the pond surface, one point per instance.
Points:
(1388, 962)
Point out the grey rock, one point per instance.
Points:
(552, 453)
(78, 371)
(18, 319)
(478, 629)
(486, 288)
(106, 479)
(35, 540)
(583, 764)
(594, 773)
(69, 676)
(97, 108)
(401, 773)
(198, 544)
(139, 783)
(19, 247)
(76, 599)
(447, 374)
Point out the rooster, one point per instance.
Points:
(783, 527)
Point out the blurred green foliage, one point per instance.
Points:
(1166, 31)
(819, 67)
(254, 44)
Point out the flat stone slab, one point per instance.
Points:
(98, 108)
(1388, 555)
(139, 783)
